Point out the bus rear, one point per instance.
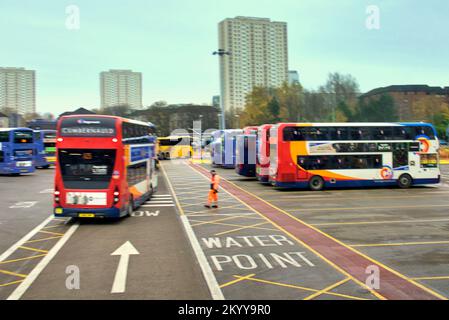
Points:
(246, 155)
(263, 153)
(90, 178)
(17, 151)
(45, 144)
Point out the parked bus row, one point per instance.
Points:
(328, 155)
(23, 149)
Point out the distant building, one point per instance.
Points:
(258, 57)
(77, 111)
(42, 124)
(293, 77)
(406, 95)
(4, 121)
(121, 87)
(16, 120)
(18, 90)
(179, 116)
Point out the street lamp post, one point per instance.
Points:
(221, 53)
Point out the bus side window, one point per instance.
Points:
(339, 133)
(383, 133)
(4, 136)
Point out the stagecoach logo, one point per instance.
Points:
(386, 173)
(424, 143)
(82, 121)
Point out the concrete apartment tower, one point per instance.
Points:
(18, 90)
(258, 57)
(121, 87)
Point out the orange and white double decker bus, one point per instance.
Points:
(105, 166)
(326, 155)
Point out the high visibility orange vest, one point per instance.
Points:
(214, 182)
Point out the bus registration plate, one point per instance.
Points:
(23, 164)
(86, 215)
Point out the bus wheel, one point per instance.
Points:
(405, 181)
(130, 209)
(316, 183)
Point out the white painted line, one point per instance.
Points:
(202, 260)
(158, 205)
(47, 191)
(209, 276)
(161, 195)
(159, 201)
(24, 239)
(32, 276)
(23, 204)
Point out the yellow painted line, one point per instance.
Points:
(223, 219)
(33, 249)
(10, 283)
(181, 211)
(377, 222)
(52, 233)
(241, 228)
(363, 285)
(341, 198)
(332, 286)
(43, 239)
(432, 278)
(22, 259)
(237, 280)
(55, 226)
(286, 285)
(192, 213)
(436, 294)
(370, 208)
(398, 244)
(213, 221)
(13, 273)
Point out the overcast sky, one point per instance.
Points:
(171, 41)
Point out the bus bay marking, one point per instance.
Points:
(145, 213)
(23, 204)
(269, 260)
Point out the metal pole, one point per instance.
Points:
(221, 53)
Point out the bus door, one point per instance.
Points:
(400, 155)
(301, 173)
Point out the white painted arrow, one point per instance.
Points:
(124, 251)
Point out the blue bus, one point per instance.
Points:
(246, 147)
(45, 142)
(17, 151)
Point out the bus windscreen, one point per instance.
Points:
(23, 136)
(86, 168)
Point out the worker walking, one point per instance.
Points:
(212, 199)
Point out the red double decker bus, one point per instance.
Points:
(105, 166)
